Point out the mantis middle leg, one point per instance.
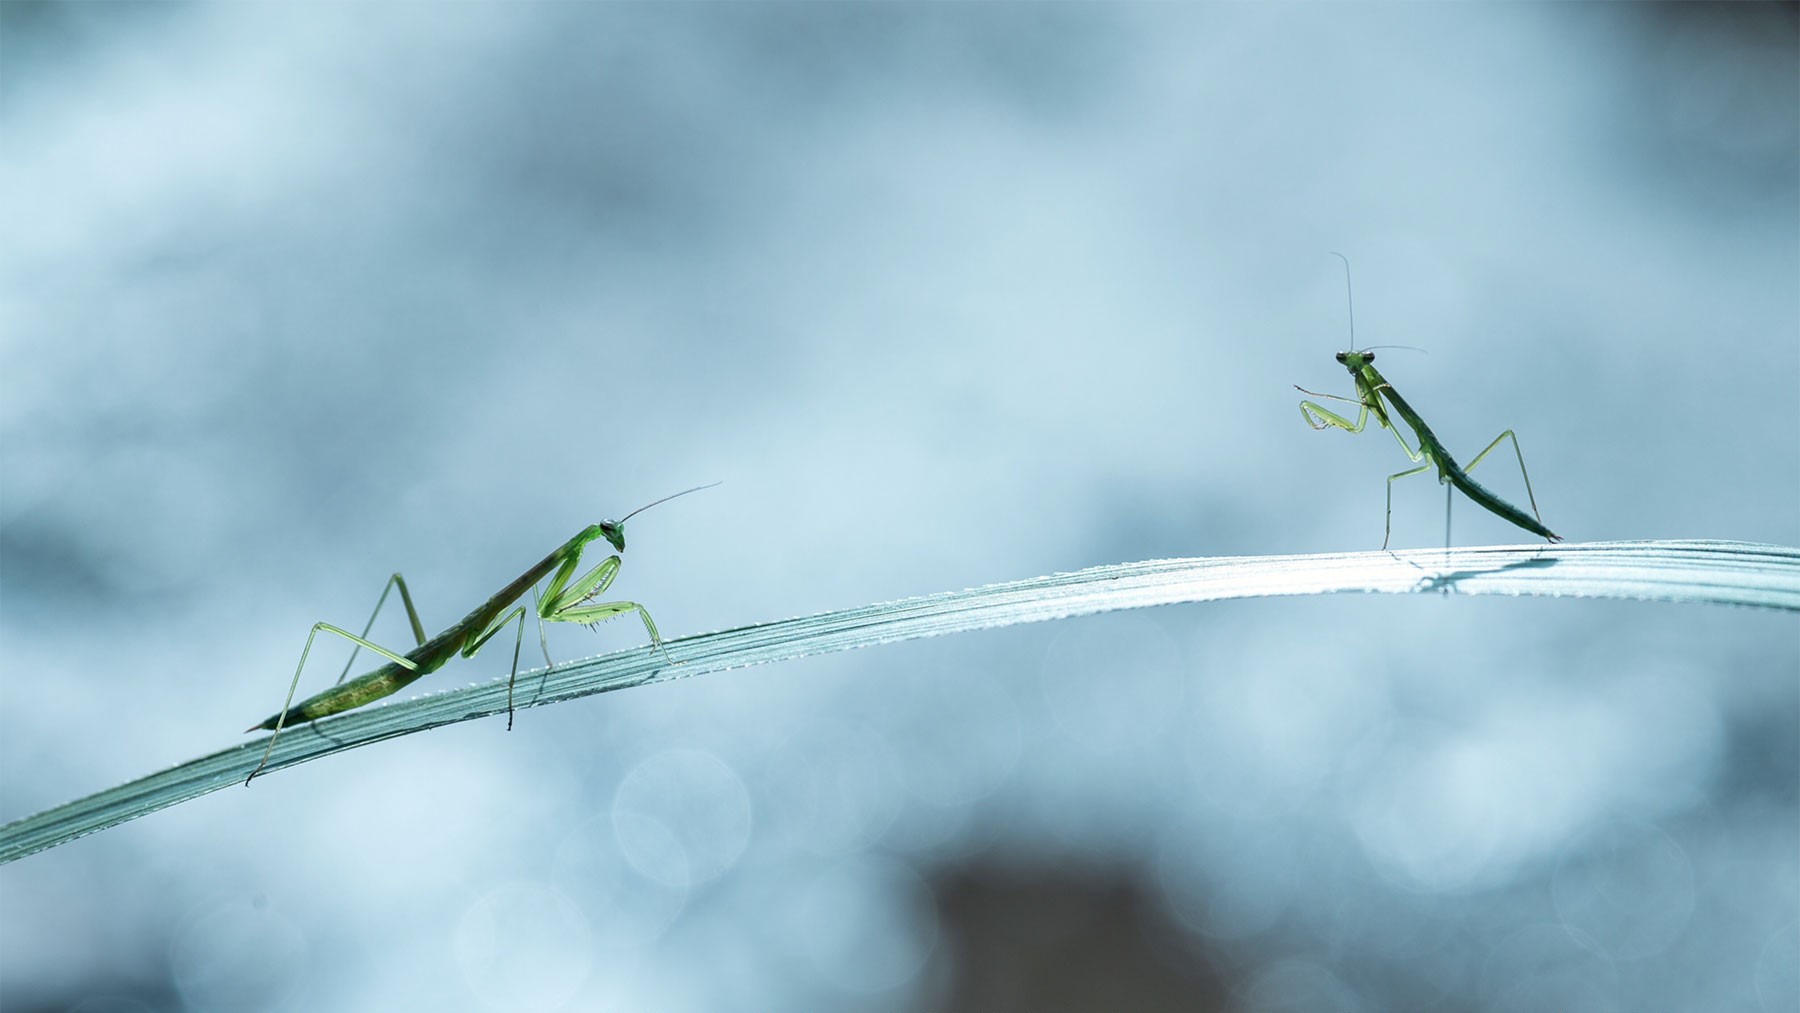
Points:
(1387, 532)
(469, 649)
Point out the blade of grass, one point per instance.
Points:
(1700, 572)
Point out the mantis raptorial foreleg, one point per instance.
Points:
(1319, 417)
(594, 614)
(562, 604)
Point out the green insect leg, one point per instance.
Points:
(285, 704)
(412, 616)
(469, 650)
(1388, 532)
(1529, 495)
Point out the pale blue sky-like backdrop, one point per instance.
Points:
(293, 296)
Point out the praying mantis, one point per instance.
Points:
(1372, 389)
(563, 601)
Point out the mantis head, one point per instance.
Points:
(614, 531)
(1354, 360)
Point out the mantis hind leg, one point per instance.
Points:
(412, 616)
(295, 684)
(1529, 495)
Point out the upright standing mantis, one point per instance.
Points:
(561, 602)
(1371, 388)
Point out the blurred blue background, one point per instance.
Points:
(298, 295)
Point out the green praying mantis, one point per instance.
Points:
(566, 599)
(1372, 390)
(570, 599)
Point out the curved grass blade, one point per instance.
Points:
(1689, 572)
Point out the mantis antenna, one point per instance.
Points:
(1348, 298)
(665, 499)
(1351, 301)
